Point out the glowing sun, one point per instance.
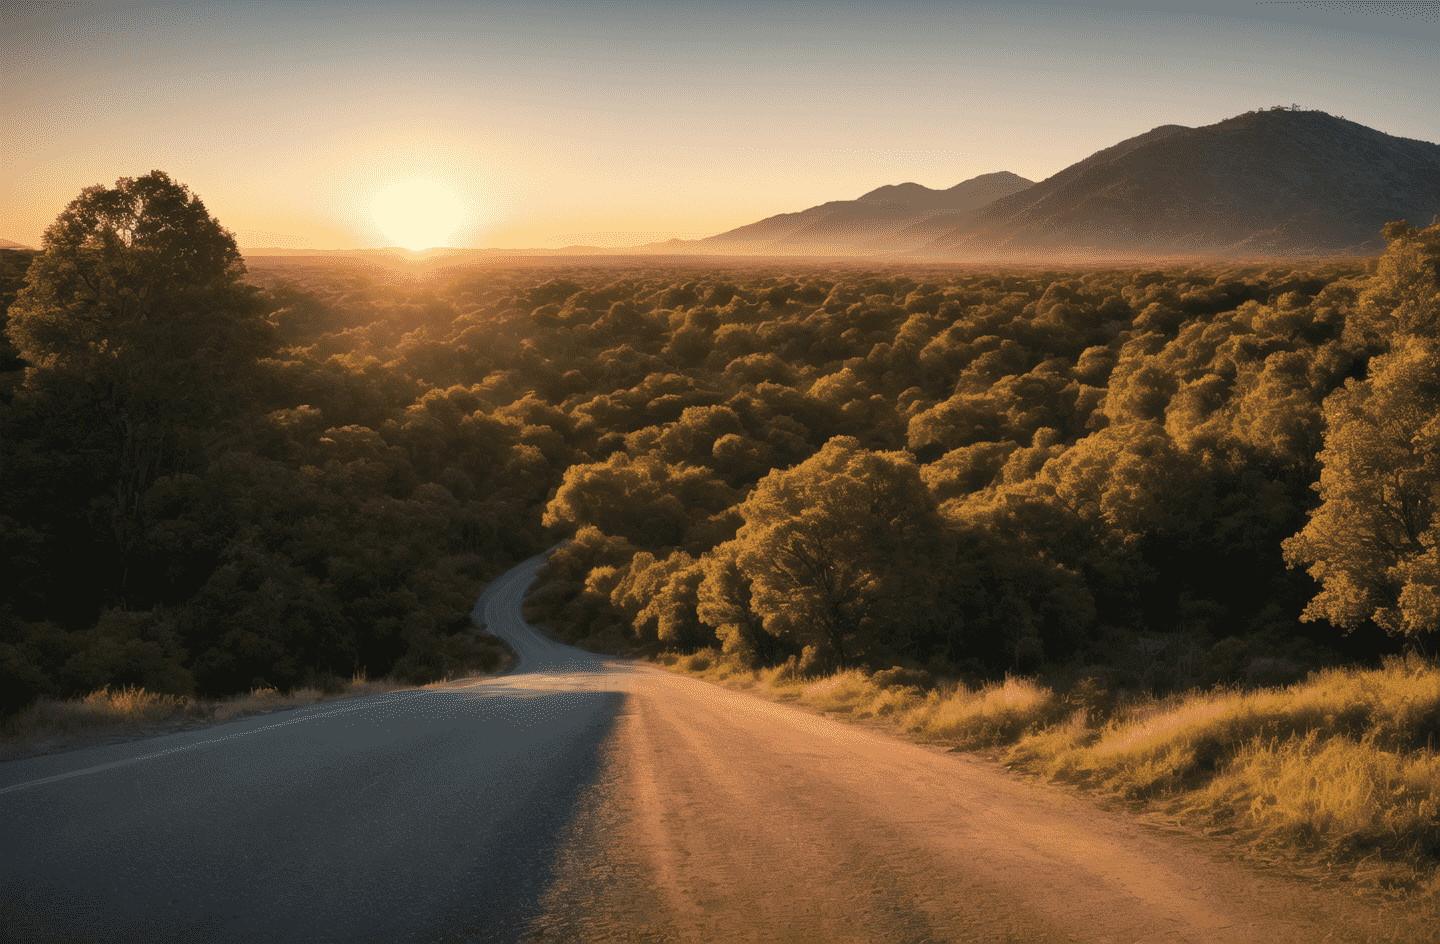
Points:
(417, 214)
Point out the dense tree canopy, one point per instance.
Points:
(1373, 542)
(309, 467)
(138, 296)
(141, 339)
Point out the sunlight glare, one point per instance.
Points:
(417, 214)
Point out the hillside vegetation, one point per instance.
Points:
(995, 470)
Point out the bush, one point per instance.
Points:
(785, 672)
(135, 649)
(898, 677)
(325, 682)
(21, 682)
(1093, 698)
(1272, 673)
(470, 654)
(700, 661)
(894, 701)
(813, 664)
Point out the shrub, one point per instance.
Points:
(786, 672)
(813, 663)
(840, 692)
(700, 661)
(894, 700)
(898, 677)
(1093, 698)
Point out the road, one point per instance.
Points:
(594, 799)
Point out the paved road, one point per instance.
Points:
(414, 816)
(580, 798)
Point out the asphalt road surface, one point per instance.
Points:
(592, 799)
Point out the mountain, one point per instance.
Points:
(9, 244)
(867, 223)
(1276, 182)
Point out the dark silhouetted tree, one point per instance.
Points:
(141, 339)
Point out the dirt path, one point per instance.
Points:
(756, 821)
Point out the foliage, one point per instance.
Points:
(141, 340)
(1373, 542)
(836, 547)
(799, 464)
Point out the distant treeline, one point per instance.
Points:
(308, 469)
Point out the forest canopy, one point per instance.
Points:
(214, 475)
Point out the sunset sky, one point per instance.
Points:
(543, 124)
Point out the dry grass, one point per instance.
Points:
(1340, 768)
(1152, 747)
(53, 725)
(996, 713)
(1350, 796)
(50, 725)
(842, 692)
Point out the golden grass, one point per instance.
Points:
(101, 710)
(893, 701)
(1348, 798)
(841, 692)
(1156, 746)
(133, 711)
(996, 713)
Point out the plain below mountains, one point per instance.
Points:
(1270, 183)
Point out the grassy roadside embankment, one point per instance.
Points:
(1335, 778)
(107, 716)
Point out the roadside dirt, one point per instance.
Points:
(720, 816)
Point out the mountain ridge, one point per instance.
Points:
(872, 216)
(1274, 182)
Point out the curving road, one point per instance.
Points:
(593, 799)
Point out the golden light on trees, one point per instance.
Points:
(417, 214)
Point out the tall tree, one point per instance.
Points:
(837, 547)
(141, 338)
(723, 601)
(1374, 543)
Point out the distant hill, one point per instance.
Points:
(1263, 183)
(408, 256)
(11, 244)
(867, 223)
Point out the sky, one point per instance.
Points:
(543, 123)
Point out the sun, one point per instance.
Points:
(417, 214)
